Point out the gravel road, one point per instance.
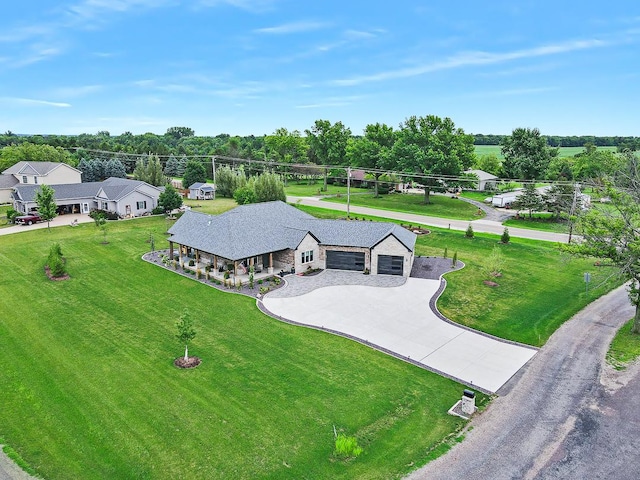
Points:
(546, 421)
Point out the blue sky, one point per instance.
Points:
(250, 66)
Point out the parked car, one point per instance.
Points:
(30, 218)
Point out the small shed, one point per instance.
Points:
(202, 191)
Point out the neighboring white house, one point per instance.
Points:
(202, 191)
(275, 236)
(126, 198)
(36, 173)
(486, 181)
(505, 199)
(47, 173)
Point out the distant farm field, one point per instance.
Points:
(564, 151)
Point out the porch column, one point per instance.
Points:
(251, 262)
(197, 257)
(215, 265)
(180, 255)
(170, 250)
(270, 270)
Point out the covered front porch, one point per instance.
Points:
(238, 270)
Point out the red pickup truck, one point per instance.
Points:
(33, 217)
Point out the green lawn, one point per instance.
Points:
(539, 221)
(89, 389)
(303, 189)
(441, 206)
(625, 347)
(563, 151)
(212, 207)
(539, 290)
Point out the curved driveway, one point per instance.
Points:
(547, 416)
(399, 319)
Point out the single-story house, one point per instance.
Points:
(202, 191)
(275, 236)
(126, 198)
(486, 180)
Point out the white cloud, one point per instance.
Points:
(255, 6)
(294, 27)
(467, 59)
(79, 91)
(32, 102)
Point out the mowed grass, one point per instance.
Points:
(442, 206)
(306, 189)
(89, 389)
(540, 288)
(562, 151)
(539, 221)
(624, 348)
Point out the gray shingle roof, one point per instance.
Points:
(251, 230)
(34, 168)
(7, 181)
(114, 189)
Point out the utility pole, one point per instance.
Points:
(348, 189)
(215, 187)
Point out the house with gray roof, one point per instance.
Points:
(275, 236)
(202, 191)
(36, 173)
(124, 197)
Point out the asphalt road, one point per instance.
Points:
(556, 419)
(482, 225)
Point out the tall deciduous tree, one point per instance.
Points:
(45, 198)
(12, 154)
(526, 154)
(373, 151)
(613, 233)
(286, 147)
(328, 144)
(433, 146)
(269, 187)
(229, 180)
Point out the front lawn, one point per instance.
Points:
(539, 221)
(304, 189)
(89, 389)
(442, 206)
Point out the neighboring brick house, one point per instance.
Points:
(275, 236)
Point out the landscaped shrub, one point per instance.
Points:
(347, 447)
(454, 260)
(469, 232)
(226, 275)
(157, 211)
(55, 262)
(11, 215)
(192, 262)
(505, 238)
(263, 290)
(446, 253)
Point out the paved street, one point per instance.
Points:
(549, 420)
(482, 225)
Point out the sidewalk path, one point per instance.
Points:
(482, 226)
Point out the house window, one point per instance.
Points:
(141, 205)
(35, 180)
(307, 257)
(24, 179)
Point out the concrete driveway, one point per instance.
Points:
(400, 319)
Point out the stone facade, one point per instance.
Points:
(309, 243)
(391, 246)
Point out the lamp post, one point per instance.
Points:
(348, 189)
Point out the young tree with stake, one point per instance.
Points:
(186, 332)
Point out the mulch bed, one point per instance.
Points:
(47, 270)
(433, 268)
(190, 362)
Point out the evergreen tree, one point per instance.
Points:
(193, 173)
(170, 199)
(171, 168)
(114, 168)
